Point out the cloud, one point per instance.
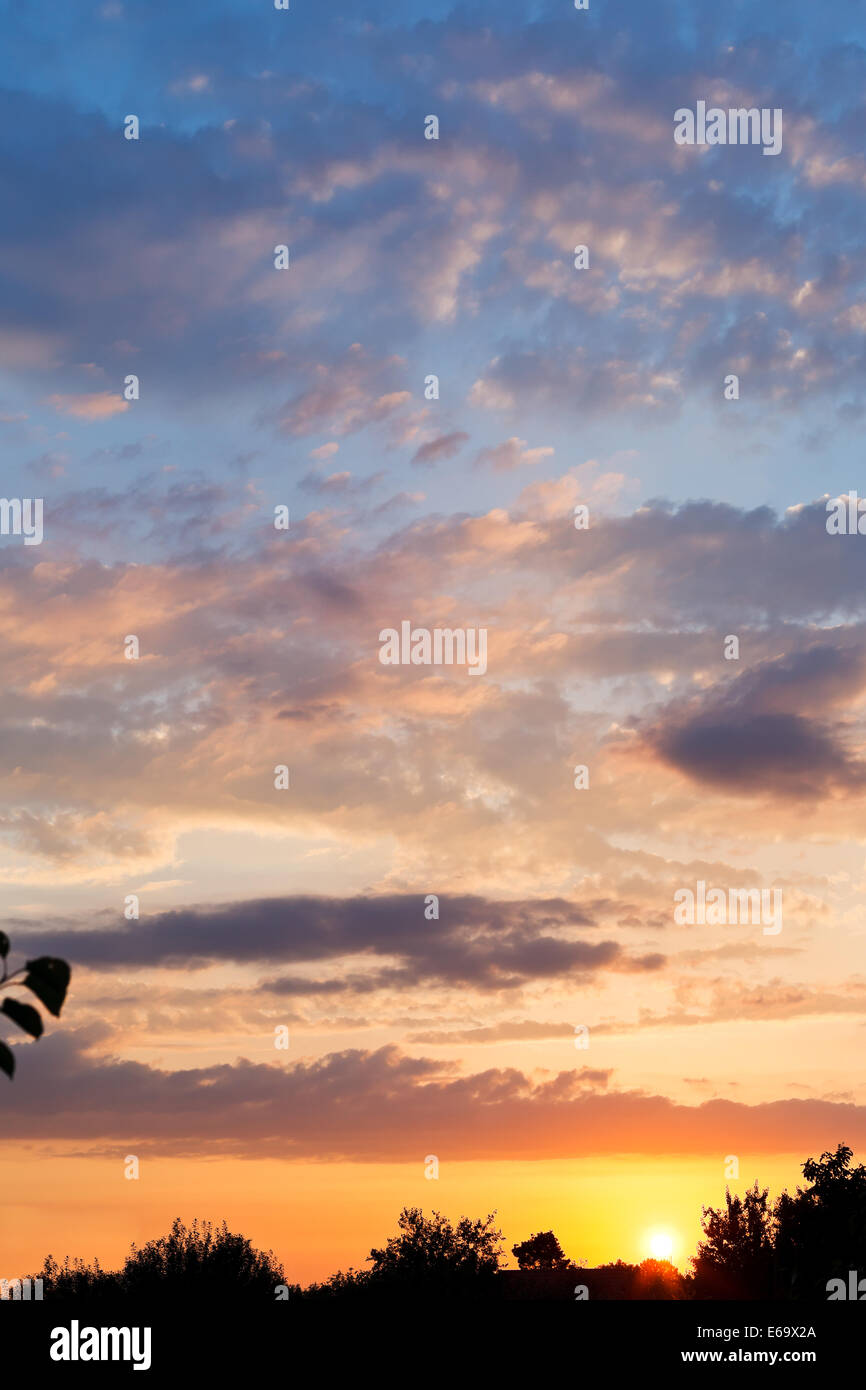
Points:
(513, 453)
(255, 626)
(445, 446)
(489, 945)
(384, 1106)
(98, 405)
(506, 1031)
(192, 85)
(549, 147)
(345, 397)
(728, 1001)
(454, 257)
(340, 484)
(753, 734)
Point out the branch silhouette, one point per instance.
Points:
(48, 978)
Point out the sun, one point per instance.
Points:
(661, 1245)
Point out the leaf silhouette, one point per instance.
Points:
(24, 1015)
(48, 978)
(7, 1061)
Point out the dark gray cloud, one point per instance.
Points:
(489, 945)
(760, 753)
(749, 734)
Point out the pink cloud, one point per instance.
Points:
(98, 405)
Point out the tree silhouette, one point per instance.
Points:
(431, 1255)
(48, 978)
(736, 1257)
(791, 1249)
(540, 1251)
(822, 1229)
(200, 1261)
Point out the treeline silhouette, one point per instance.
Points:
(198, 1261)
(751, 1249)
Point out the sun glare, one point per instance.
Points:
(661, 1245)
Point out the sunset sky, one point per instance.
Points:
(412, 1037)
